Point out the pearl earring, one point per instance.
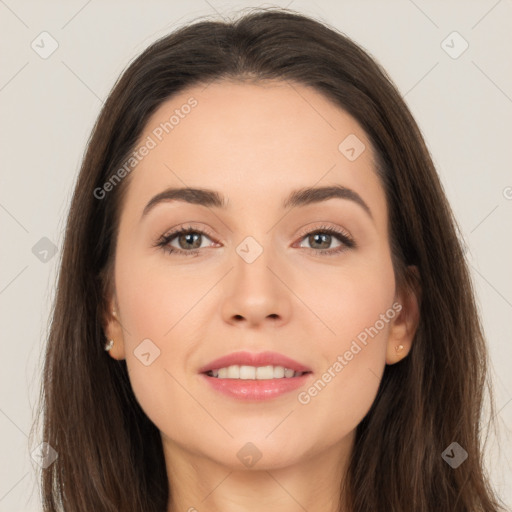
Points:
(398, 348)
(109, 345)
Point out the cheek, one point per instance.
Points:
(357, 306)
(153, 309)
(154, 298)
(340, 397)
(350, 300)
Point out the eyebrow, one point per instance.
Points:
(297, 198)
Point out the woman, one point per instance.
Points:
(320, 350)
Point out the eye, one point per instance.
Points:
(188, 239)
(320, 239)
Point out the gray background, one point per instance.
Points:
(463, 106)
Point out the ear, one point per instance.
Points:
(113, 329)
(405, 324)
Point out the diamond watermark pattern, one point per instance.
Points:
(44, 455)
(249, 455)
(454, 455)
(351, 147)
(44, 45)
(44, 250)
(454, 45)
(146, 352)
(249, 249)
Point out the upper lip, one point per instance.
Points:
(254, 359)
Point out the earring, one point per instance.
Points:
(398, 348)
(109, 345)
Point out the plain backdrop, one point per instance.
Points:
(458, 87)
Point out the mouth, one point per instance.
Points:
(259, 366)
(246, 372)
(249, 376)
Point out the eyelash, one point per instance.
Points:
(347, 241)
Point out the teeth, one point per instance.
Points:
(247, 372)
(288, 372)
(264, 372)
(254, 373)
(279, 372)
(233, 372)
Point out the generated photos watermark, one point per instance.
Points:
(149, 143)
(305, 397)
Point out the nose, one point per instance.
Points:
(256, 294)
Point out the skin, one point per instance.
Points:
(254, 144)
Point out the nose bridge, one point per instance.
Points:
(255, 292)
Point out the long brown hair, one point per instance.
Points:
(110, 456)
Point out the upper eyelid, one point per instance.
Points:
(324, 227)
(206, 231)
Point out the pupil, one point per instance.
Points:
(320, 236)
(189, 239)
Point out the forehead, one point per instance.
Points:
(253, 142)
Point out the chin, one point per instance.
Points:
(257, 453)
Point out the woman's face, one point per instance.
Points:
(262, 269)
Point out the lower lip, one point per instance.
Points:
(256, 389)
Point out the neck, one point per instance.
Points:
(199, 484)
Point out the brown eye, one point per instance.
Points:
(189, 241)
(320, 241)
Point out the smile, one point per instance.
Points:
(245, 372)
